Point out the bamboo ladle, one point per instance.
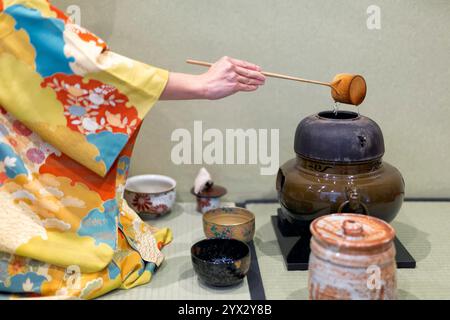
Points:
(345, 88)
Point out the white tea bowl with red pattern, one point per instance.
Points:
(151, 196)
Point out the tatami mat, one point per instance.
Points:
(176, 280)
(423, 227)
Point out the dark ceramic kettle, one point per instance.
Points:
(339, 169)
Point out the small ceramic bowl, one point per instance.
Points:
(221, 262)
(209, 199)
(151, 195)
(229, 223)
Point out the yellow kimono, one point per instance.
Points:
(70, 111)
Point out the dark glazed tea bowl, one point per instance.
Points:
(221, 262)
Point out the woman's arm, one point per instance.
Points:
(225, 78)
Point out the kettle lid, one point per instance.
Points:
(342, 137)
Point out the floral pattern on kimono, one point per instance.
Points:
(70, 112)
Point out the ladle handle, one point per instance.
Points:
(268, 74)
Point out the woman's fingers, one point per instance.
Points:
(246, 87)
(249, 81)
(245, 64)
(251, 74)
(228, 76)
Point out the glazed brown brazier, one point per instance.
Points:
(339, 169)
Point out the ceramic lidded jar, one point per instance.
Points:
(339, 168)
(210, 198)
(352, 258)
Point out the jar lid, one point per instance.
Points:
(215, 191)
(352, 231)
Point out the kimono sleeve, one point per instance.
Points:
(66, 85)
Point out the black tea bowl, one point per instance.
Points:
(221, 262)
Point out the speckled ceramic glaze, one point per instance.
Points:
(352, 258)
(151, 195)
(229, 223)
(221, 262)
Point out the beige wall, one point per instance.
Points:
(406, 64)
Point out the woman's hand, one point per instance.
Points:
(225, 78)
(229, 76)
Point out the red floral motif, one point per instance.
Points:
(3, 178)
(2, 110)
(12, 142)
(21, 129)
(16, 265)
(36, 156)
(87, 36)
(93, 107)
(159, 209)
(59, 13)
(204, 202)
(143, 204)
